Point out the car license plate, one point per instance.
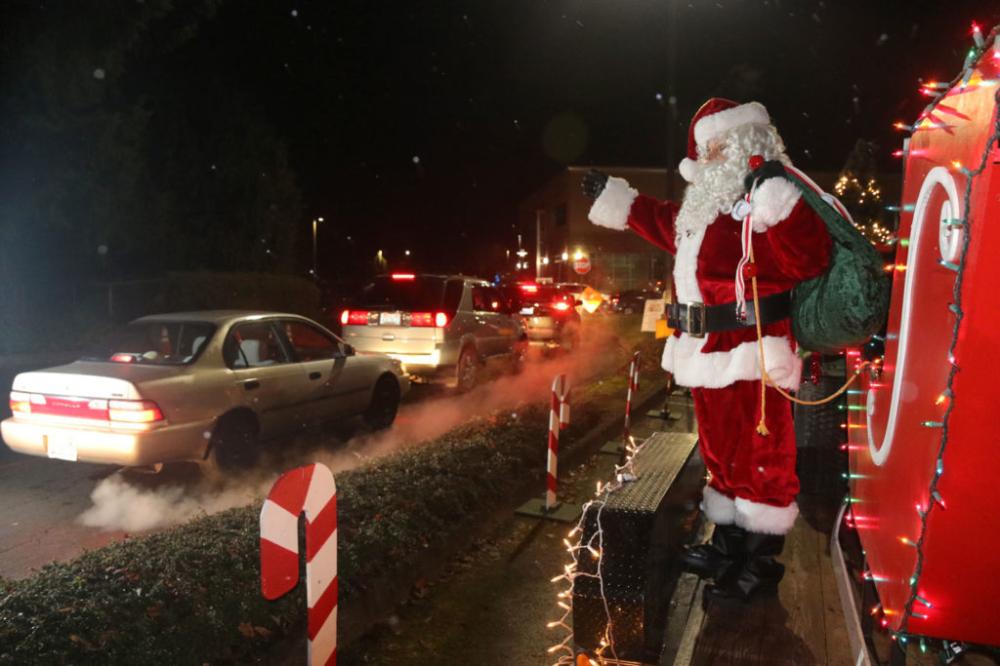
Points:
(389, 319)
(527, 311)
(60, 447)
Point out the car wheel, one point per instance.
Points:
(234, 444)
(384, 405)
(467, 370)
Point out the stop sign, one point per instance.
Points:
(582, 265)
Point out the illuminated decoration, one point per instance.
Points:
(934, 395)
(861, 194)
(593, 549)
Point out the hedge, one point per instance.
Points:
(191, 595)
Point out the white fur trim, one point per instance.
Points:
(718, 508)
(686, 266)
(764, 518)
(723, 121)
(683, 357)
(773, 201)
(612, 207)
(688, 169)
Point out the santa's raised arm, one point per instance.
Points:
(753, 485)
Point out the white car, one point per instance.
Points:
(198, 386)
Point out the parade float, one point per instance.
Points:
(922, 425)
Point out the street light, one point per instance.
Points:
(316, 221)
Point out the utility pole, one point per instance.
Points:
(316, 221)
(538, 243)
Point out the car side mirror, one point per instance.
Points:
(348, 350)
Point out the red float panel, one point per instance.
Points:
(937, 573)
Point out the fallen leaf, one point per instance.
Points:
(246, 629)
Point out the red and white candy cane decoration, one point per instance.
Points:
(558, 420)
(633, 389)
(308, 489)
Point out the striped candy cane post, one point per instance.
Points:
(308, 489)
(633, 389)
(558, 419)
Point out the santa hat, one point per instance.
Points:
(715, 117)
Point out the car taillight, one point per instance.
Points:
(354, 317)
(529, 288)
(421, 319)
(428, 319)
(123, 358)
(403, 276)
(562, 306)
(134, 411)
(20, 403)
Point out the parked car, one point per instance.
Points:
(549, 314)
(442, 328)
(633, 300)
(198, 386)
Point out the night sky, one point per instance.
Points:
(421, 125)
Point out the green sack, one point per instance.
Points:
(848, 303)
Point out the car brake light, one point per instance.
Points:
(403, 276)
(529, 288)
(562, 306)
(20, 403)
(428, 319)
(123, 358)
(354, 317)
(422, 319)
(134, 411)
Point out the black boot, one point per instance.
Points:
(759, 573)
(713, 559)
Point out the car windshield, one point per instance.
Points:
(408, 293)
(153, 343)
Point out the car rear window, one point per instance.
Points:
(153, 343)
(545, 295)
(416, 294)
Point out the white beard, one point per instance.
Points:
(715, 189)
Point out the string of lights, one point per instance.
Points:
(918, 605)
(947, 396)
(594, 547)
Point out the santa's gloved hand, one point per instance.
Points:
(761, 171)
(593, 183)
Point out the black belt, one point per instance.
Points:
(697, 319)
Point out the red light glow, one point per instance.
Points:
(123, 358)
(562, 306)
(529, 288)
(403, 276)
(355, 317)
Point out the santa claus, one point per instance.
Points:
(752, 486)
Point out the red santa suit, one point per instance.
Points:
(753, 480)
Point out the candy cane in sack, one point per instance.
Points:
(558, 420)
(311, 490)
